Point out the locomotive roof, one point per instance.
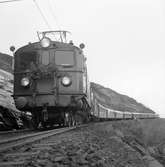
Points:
(54, 45)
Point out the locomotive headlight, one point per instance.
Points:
(25, 81)
(45, 42)
(66, 81)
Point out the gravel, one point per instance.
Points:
(98, 145)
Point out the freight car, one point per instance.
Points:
(50, 80)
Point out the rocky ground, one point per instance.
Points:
(106, 144)
(149, 133)
(94, 147)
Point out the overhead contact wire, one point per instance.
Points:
(54, 17)
(10, 1)
(41, 13)
(53, 14)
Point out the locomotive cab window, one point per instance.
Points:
(24, 60)
(64, 58)
(45, 58)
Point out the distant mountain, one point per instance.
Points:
(6, 62)
(118, 101)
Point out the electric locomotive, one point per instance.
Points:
(50, 80)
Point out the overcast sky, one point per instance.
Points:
(125, 40)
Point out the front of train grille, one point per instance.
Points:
(63, 90)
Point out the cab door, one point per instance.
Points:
(47, 83)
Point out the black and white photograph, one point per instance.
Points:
(82, 83)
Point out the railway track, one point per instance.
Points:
(10, 148)
(15, 141)
(12, 133)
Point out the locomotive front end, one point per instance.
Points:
(50, 80)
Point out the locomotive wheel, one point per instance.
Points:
(78, 119)
(35, 122)
(44, 125)
(69, 119)
(66, 118)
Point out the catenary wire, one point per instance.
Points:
(36, 4)
(53, 14)
(41, 13)
(54, 17)
(10, 1)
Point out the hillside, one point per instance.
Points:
(6, 84)
(5, 62)
(118, 101)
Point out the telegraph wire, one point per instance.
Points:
(41, 13)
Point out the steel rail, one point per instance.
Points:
(2, 133)
(30, 138)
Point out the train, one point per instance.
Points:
(51, 83)
(102, 112)
(101, 109)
